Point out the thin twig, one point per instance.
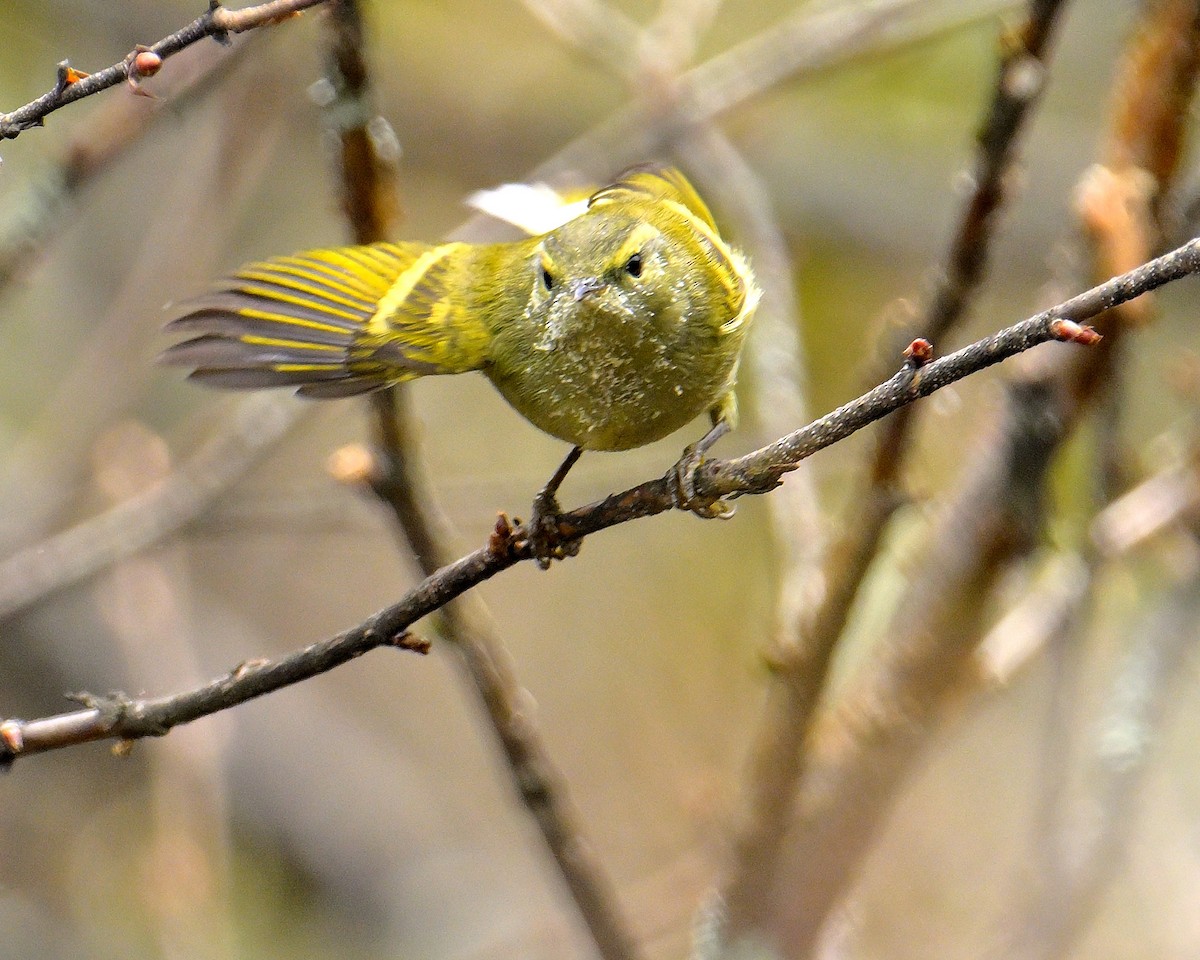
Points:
(755, 473)
(863, 748)
(29, 219)
(802, 656)
(399, 482)
(123, 530)
(72, 85)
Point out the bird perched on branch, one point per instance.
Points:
(611, 331)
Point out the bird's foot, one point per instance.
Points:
(547, 542)
(683, 486)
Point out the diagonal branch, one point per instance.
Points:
(802, 658)
(72, 85)
(757, 472)
(368, 197)
(146, 518)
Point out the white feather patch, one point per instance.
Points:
(533, 207)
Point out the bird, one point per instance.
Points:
(610, 331)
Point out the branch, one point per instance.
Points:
(803, 653)
(368, 198)
(122, 718)
(816, 38)
(862, 748)
(217, 22)
(758, 472)
(145, 518)
(30, 218)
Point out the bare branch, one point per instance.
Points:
(146, 518)
(30, 218)
(755, 473)
(72, 85)
(368, 197)
(863, 748)
(802, 657)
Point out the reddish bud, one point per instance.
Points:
(919, 352)
(500, 540)
(410, 641)
(10, 733)
(1072, 332)
(146, 63)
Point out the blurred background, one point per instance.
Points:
(158, 534)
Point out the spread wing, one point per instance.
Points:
(332, 322)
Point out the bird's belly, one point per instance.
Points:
(598, 398)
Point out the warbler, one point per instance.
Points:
(610, 331)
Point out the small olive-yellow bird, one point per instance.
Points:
(611, 331)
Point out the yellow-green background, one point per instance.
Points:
(366, 813)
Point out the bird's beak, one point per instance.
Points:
(584, 286)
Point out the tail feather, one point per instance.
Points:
(298, 321)
(235, 318)
(217, 352)
(338, 385)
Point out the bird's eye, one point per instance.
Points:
(546, 276)
(633, 266)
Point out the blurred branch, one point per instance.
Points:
(112, 348)
(143, 519)
(1077, 851)
(811, 40)
(863, 747)
(819, 36)
(1120, 202)
(217, 22)
(757, 472)
(595, 28)
(29, 219)
(860, 749)
(396, 477)
(802, 654)
(1076, 864)
(467, 626)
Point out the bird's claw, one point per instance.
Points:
(546, 539)
(683, 488)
